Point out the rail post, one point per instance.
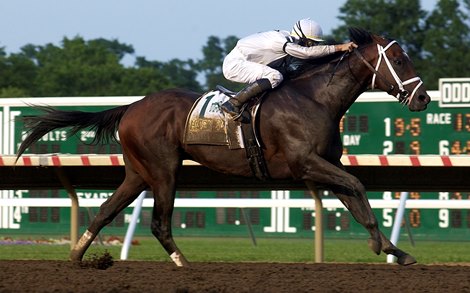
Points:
(74, 206)
(319, 242)
(397, 224)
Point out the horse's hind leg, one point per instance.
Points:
(164, 196)
(127, 192)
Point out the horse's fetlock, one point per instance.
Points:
(375, 245)
(372, 224)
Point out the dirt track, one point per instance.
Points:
(132, 276)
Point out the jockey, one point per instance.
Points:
(250, 60)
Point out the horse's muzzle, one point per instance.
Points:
(420, 102)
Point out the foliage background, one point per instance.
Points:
(438, 42)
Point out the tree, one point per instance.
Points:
(88, 68)
(79, 67)
(211, 66)
(182, 74)
(446, 42)
(437, 42)
(398, 19)
(114, 47)
(16, 73)
(139, 82)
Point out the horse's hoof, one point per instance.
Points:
(406, 260)
(374, 245)
(179, 259)
(75, 256)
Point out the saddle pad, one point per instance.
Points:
(207, 124)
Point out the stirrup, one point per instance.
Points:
(229, 108)
(236, 117)
(240, 113)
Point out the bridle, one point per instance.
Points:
(403, 95)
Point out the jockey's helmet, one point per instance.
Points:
(307, 29)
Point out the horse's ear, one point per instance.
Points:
(360, 36)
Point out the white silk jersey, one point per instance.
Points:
(248, 61)
(267, 47)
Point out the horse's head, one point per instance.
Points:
(392, 69)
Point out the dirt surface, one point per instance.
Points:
(132, 276)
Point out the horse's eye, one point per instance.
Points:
(397, 62)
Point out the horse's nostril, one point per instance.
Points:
(423, 98)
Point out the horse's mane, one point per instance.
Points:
(360, 36)
(357, 35)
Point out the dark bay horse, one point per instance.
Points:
(298, 126)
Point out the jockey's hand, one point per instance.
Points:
(346, 47)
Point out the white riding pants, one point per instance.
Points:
(236, 68)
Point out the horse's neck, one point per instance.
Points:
(338, 91)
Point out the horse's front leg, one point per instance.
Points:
(356, 202)
(348, 189)
(386, 245)
(403, 258)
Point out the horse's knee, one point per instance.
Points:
(359, 188)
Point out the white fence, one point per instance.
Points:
(244, 203)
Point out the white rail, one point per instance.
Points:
(244, 203)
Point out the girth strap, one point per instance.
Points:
(254, 153)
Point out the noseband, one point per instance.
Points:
(403, 95)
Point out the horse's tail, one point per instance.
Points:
(104, 123)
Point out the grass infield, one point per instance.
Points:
(243, 250)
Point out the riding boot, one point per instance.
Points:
(233, 105)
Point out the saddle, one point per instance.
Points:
(207, 124)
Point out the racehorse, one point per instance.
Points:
(298, 128)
